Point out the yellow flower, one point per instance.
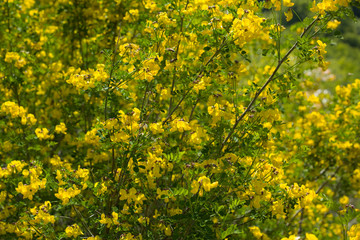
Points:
(289, 14)
(321, 47)
(91, 137)
(131, 196)
(256, 232)
(333, 24)
(227, 17)
(73, 231)
(25, 190)
(194, 187)
(292, 237)
(65, 194)
(132, 15)
(11, 56)
(248, 28)
(156, 128)
(3, 195)
(205, 185)
(105, 220)
(150, 69)
(310, 236)
(168, 231)
(180, 125)
(115, 218)
(93, 238)
(277, 209)
(354, 233)
(344, 200)
(61, 128)
(288, 3)
(43, 134)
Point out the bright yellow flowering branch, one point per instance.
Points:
(257, 94)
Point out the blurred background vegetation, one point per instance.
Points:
(343, 52)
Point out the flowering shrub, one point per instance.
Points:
(174, 120)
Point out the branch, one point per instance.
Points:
(198, 75)
(83, 220)
(111, 73)
(271, 78)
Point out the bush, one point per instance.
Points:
(174, 120)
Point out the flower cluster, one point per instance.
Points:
(174, 120)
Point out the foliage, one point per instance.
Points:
(174, 120)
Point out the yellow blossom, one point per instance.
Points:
(288, 3)
(73, 231)
(203, 183)
(333, 24)
(43, 134)
(344, 200)
(11, 56)
(61, 128)
(256, 232)
(288, 14)
(310, 236)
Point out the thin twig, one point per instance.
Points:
(83, 221)
(265, 85)
(111, 72)
(301, 221)
(198, 75)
